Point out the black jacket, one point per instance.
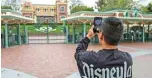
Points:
(106, 63)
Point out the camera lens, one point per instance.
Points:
(97, 22)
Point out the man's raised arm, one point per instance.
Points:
(83, 44)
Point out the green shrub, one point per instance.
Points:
(6, 7)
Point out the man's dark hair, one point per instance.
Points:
(112, 30)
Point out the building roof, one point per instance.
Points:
(9, 10)
(8, 14)
(89, 15)
(44, 4)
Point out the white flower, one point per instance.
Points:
(44, 29)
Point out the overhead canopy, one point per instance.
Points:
(87, 16)
(8, 14)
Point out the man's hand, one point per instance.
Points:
(91, 33)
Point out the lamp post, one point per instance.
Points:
(47, 32)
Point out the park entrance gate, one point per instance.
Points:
(46, 33)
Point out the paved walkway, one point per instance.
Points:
(43, 39)
(57, 60)
(8, 73)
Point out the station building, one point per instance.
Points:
(46, 13)
(137, 25)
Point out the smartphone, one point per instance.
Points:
(97, 22)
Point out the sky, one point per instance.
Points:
(89, 3)
(86, 2)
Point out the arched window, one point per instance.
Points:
(45, 10)
(52, 10)
(38, 9)
(62, 8)
(62, 16)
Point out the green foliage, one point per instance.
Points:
(80, 8)
(78, 28)
(114, 4)
(149, 7)
(32, 29)
(6, 7)
(146, 9)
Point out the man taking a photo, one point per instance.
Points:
(109, 62)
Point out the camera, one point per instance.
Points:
(97, 22)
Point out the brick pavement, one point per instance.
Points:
(57, 60)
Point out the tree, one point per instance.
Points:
(114, 4)
(6, 7)
(80, 8)
(146, 9)
(149, 7)
(101, 3)
(11, 4)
